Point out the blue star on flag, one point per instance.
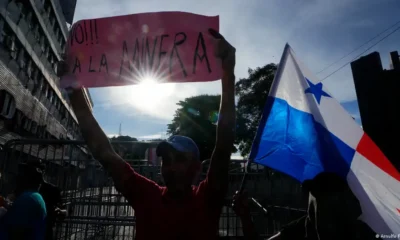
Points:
(316, 90)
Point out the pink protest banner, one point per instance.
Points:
(124, 50)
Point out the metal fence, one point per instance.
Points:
(97, 211)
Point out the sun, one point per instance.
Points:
(148, 94)
(148, 82)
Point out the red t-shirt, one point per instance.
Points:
(160, 217)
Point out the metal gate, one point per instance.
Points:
(97, 211)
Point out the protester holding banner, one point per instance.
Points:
(179, 210)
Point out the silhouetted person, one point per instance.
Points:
(240, 206)
(25, 220)
(179, 211)
(333, 213)
(3, 209)
(52, 198)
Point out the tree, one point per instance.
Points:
(124, 139)
(196, 118)
(129, 147)
(252, 94)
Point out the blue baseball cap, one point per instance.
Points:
(181, 144)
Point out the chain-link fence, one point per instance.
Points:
(97, 211)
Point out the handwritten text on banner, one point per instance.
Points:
(124, 50)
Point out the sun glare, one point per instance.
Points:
(148, 81)
(148, 94)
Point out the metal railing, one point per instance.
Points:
(97, 211)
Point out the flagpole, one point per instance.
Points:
(242, 185)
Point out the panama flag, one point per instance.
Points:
(305, 131)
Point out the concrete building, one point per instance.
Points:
(33, 34)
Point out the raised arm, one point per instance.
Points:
(218, 172)
(96, 139)
(132, 185)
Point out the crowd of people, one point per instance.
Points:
(180, 210)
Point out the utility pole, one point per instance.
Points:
(377, 93)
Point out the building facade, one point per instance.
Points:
(33, 34)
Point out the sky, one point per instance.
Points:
(319, 31)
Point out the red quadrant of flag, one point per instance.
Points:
(371, 151)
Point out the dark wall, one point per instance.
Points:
(379, 102)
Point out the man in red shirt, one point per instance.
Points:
(179, 210)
